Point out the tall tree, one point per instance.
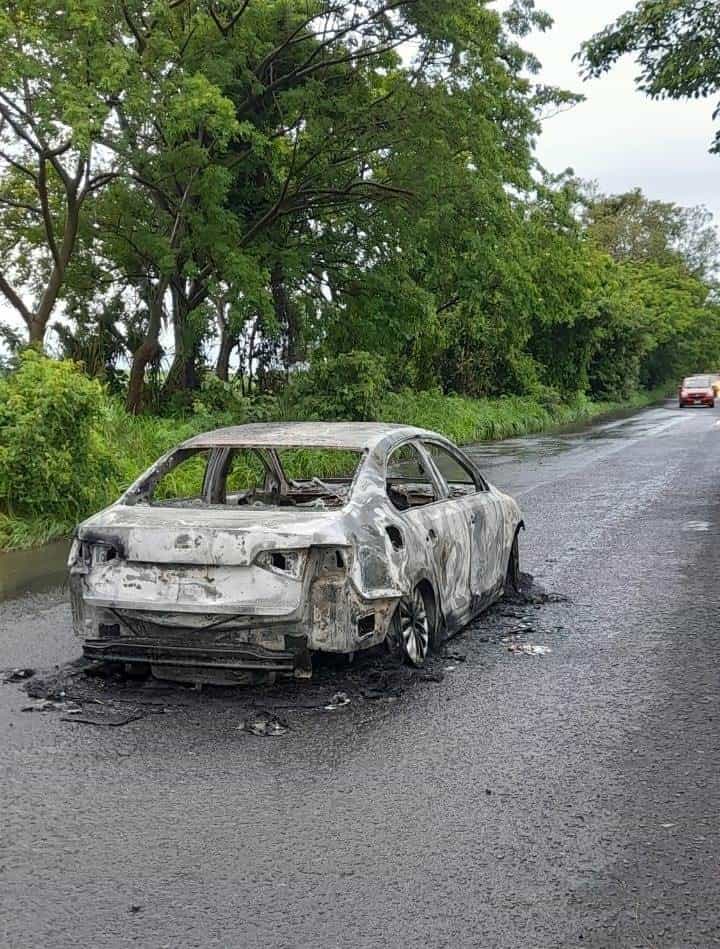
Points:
(655, 266)
(676, 43)
(633, 227)
(60, 69)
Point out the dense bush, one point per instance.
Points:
(475, 420)
(225, 398)
(52, 462)
(349, 387)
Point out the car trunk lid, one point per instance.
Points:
(183, 560)
(207, 536)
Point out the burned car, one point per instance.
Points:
(231, 559)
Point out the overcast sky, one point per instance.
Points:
(619, 137)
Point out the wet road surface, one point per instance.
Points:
(504, 800)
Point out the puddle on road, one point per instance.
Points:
(633, 425)
(32, 571)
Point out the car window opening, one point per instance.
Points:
(459, 478)
(408, 483)
(253, 478)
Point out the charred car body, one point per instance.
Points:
(228, 559)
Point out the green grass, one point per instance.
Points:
(136, 442)
(475, 420)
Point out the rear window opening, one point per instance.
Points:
(255, 478)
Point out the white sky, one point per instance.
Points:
(618, 136)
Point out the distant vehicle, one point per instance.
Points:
(228, 559)
(697, 390)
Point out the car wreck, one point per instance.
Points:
(229, 560)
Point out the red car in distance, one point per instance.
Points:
(697, 390)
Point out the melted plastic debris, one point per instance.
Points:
(455, 657)
(337, 701)
(17, 675)
(529, 649)
(265, 724)
(528, 593)
(103, 716)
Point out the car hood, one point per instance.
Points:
(179, 535)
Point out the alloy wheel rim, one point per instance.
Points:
(414, 628)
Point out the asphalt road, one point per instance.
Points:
(566, 799)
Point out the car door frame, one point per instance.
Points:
(484, 526)
(440, 523)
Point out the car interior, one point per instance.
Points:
(252, 477)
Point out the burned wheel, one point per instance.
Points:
(411, 634)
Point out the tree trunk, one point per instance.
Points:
(251, 357)
(287, 316)
(183, 374)
(40, 318)
(36, 332)
(173, 379)
(147, 351)
(228, 340)
(227, 344)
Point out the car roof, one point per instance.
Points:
(356, 436)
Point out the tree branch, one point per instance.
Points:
(225, 28)
(18, 167)
(47, 217)
(21, 206)
(15, 300)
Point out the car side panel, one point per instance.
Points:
(488, 544)
(442, 554)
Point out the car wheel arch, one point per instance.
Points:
(515, 543)
(434, 608)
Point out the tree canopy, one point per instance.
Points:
(246, 186)
(676, 44)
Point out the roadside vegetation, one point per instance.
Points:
(221, 212)
(68, 448)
